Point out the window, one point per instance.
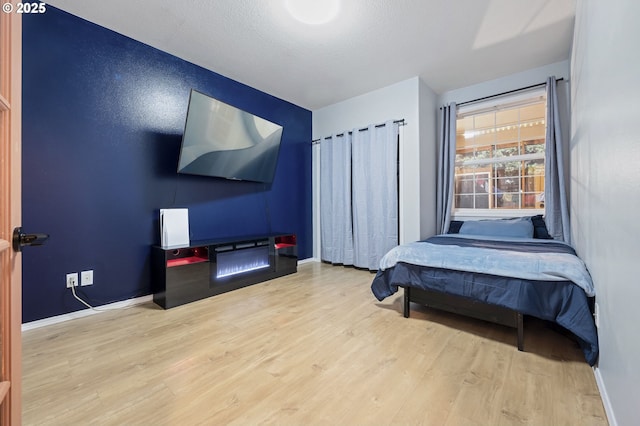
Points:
(500, 154)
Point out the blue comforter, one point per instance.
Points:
(527, 258)
(541, 278)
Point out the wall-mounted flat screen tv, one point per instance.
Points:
(223, 141)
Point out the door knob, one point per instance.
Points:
(20, 239)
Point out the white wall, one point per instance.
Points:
(428, 159)
(403, 100)
(605, 154)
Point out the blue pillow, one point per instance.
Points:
(454, 226)
(519, 227)
(540, 228)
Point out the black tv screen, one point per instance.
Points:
(223, 141)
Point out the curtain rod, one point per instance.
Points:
(400, 122)
(506, 93)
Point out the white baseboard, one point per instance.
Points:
(85, 312)
(608, 409)
(117, 305)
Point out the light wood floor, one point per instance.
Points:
(311, 348)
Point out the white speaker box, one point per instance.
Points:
(174, 227)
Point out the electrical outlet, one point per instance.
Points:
(86, 277)
(596, 314)
(72, 280)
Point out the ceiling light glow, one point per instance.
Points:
(313, 12)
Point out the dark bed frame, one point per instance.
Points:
(465, 306)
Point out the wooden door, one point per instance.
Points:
(10, 216)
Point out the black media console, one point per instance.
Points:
(205, 268)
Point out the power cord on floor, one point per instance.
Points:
(79, 299)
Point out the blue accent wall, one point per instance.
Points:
(103, 117)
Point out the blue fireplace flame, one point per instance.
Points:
(242, 261)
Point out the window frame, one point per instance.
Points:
(498, 103)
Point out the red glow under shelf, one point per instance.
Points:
(185, 261)
(283, 245)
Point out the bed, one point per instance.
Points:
(496, 270)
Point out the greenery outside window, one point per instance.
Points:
(500, 154)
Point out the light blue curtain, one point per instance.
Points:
(446, 167)
(335, 200)
(375, 193)
(556, 168)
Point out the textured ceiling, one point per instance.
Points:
(449, 44)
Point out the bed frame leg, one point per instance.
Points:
(520, 331)
(407, 297)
